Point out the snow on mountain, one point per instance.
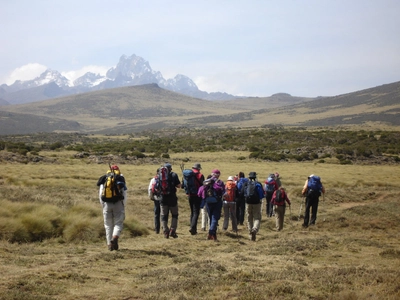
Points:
(89, 80)
(129, 71)
(51, 76)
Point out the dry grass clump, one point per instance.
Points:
(351, 253)
(32, 222)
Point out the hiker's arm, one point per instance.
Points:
(100, 192)
(304, 191)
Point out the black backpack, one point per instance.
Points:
(250, 192)
(279, 196)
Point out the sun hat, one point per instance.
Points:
(230, 178)
(197, 166)
(252, 175)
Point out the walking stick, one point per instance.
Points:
(301, 206)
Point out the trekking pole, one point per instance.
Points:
(301, 206)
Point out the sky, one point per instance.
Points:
(305, 48)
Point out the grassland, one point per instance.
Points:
(353, 252)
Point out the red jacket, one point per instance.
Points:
(285, 198)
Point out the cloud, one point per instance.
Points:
(74, 74)
(26, 72)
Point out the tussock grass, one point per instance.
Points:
(351, 253)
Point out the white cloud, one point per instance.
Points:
(72, 75)
(26, 72)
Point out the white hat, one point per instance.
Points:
(230, 178)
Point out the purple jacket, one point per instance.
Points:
(218, 186)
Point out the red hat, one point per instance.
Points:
(114, 167)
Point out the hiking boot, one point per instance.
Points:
(173, 234)
(215, 237)
(114, 243)
(210, 237)
(166, 234)
(110, 247)
(253, 235)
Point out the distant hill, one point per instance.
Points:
(138, 108)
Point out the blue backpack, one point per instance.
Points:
(211, 195)
(314, 185)
(270, 185)
(189, 182)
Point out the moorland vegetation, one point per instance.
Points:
(267, 144)
(52, 237)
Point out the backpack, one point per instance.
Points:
(153, 191)
(230, 191)
(279, 196)
(113, 187)
(211, 195)
(162, 184)
(250, 193)
(189, 182)
(270, 185)
(314, 186)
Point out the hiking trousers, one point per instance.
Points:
(269, 206)
(114, 216)
(165, 209)
(311, 203)
(214, 212)
(157, 216)
(240, 210)
(279, 216)
(194, 202)
(205, 221)
(229, 213)
(253, 213)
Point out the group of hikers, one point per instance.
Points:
(240, 199)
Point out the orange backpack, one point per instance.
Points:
(230, 191)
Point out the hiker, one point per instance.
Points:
(205, 220)
(253, 193)
(112, 196)
(240, 202)
(169, 202)
(191, 186)
(211, 195)
(279, 199)
(156, 199)
(229, 204)
(278, 179)
(312, 190)
(270, 187)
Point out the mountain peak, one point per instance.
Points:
(129, 71)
